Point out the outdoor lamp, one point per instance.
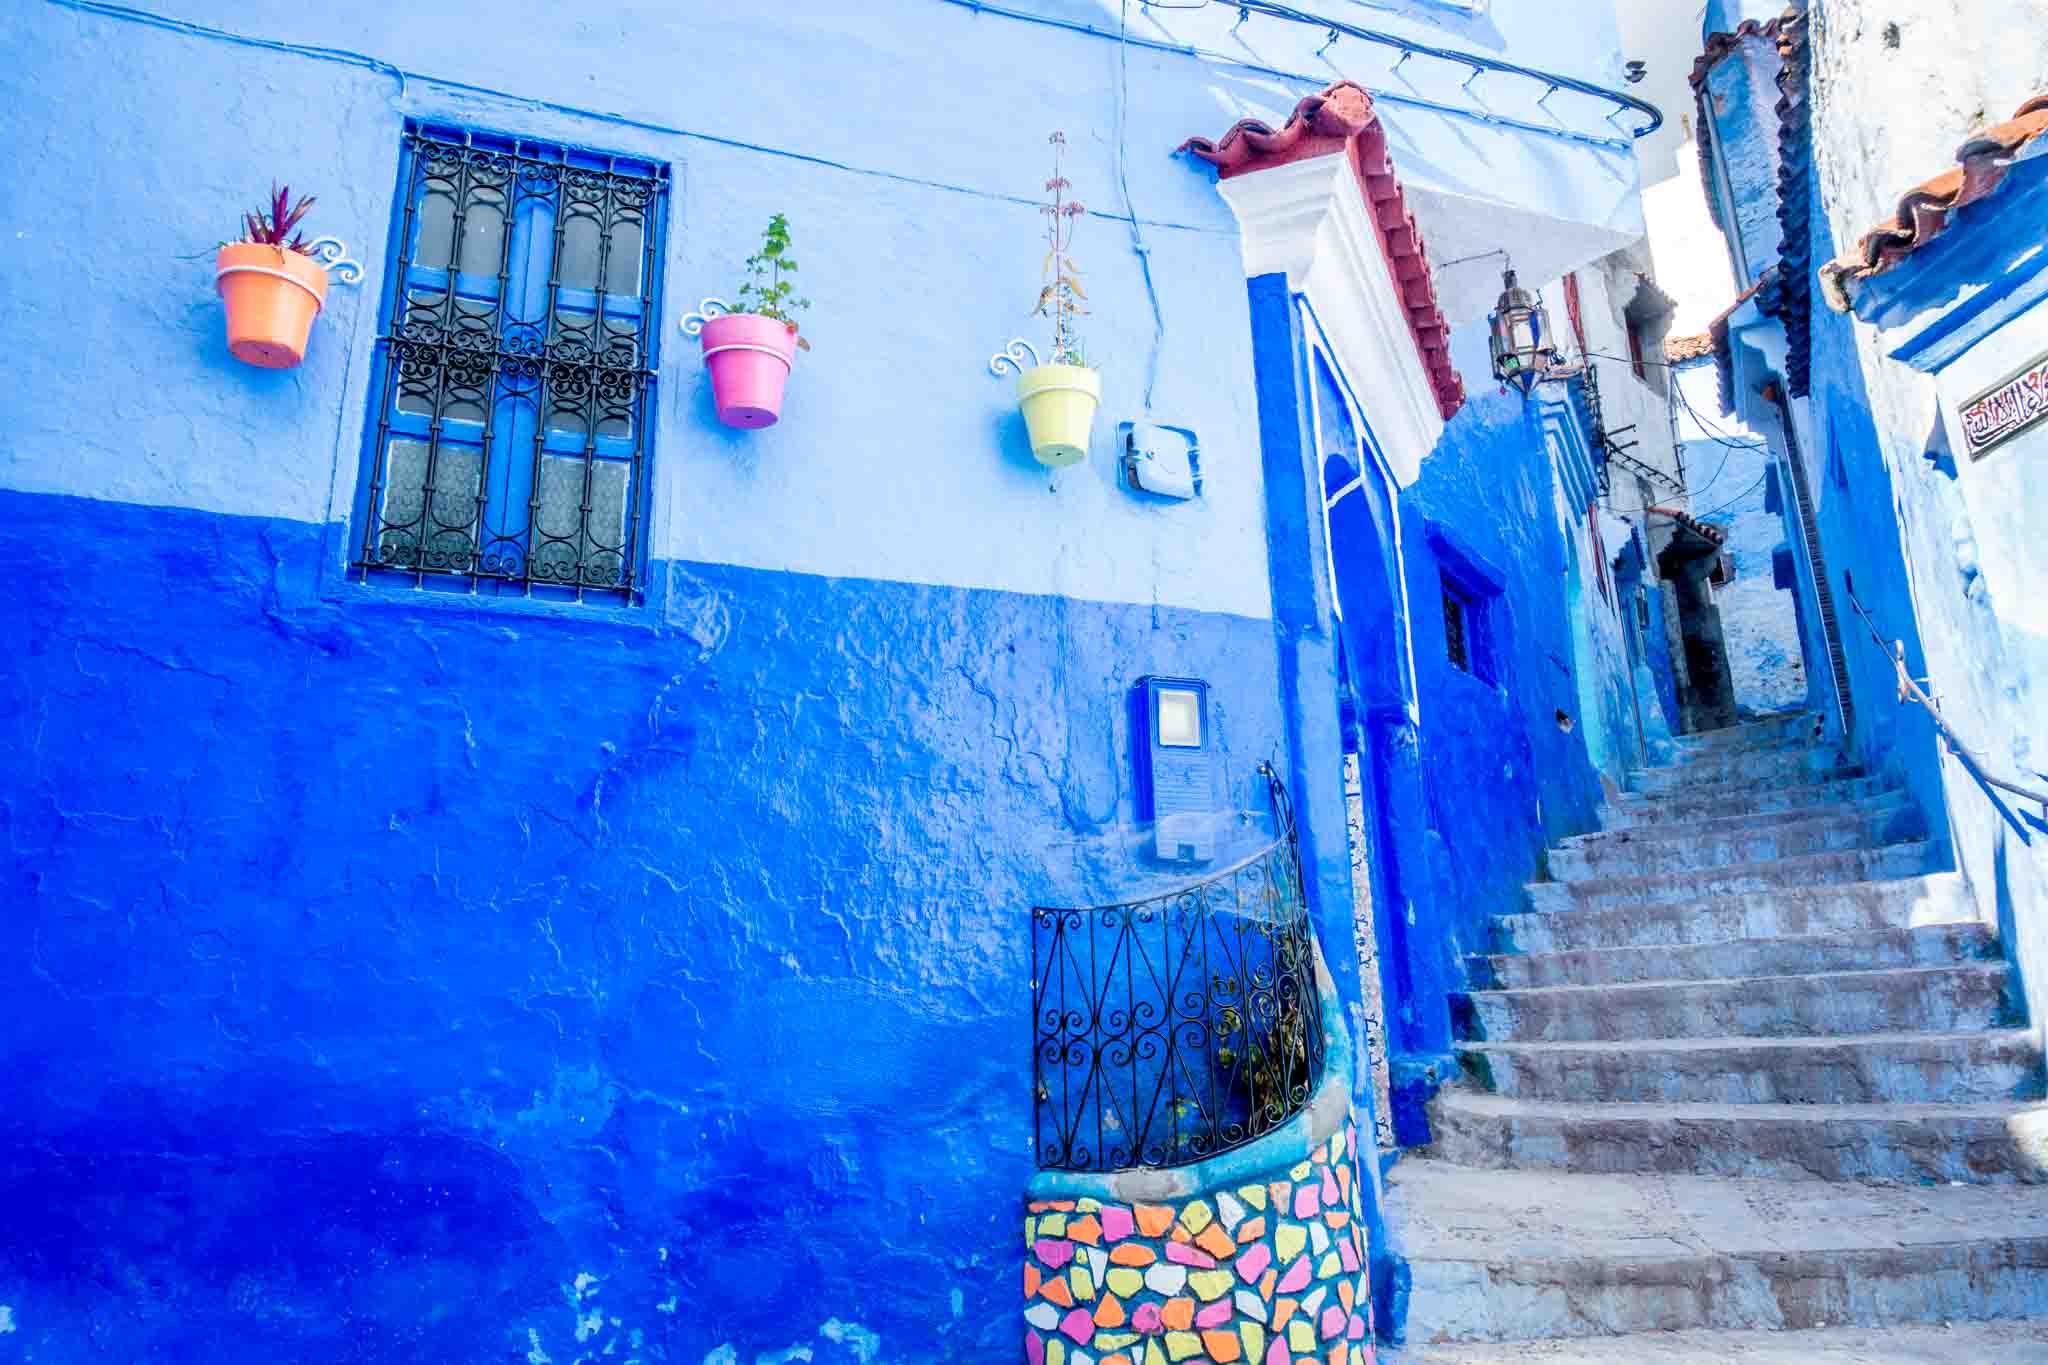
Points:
(1522, 353)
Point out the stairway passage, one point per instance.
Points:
(1746, 1061)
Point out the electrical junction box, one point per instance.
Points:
(1176, 768)
(1161, 460)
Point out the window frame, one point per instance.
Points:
(526, 295)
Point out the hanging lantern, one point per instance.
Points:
(1522, 353)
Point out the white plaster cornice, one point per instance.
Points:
(1308, 220)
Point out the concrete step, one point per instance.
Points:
(1847, 783)
(1872, 1068)
(1515, 1256)
(1740, 765)
(2019, 1342)
(1927, 946)
(1747, 839)
(1724, 821)
(1777, 874)
(1830, 908)
(1914, 1144)
(1945, 999)
(1786, 728)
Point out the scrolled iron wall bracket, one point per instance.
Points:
(693, 323)
(1014, 355)
(332, 254)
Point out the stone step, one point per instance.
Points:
(1873, 1068)
(1777, 874)
(1786, 728)
(1927, 946)
(1753, 765)
(2018, 1342)
(1517, 1256)
(1945, 999)
(1721, 822)
(1847, 783)
(1835, 908)
(1914, 1144)
(1664, 849)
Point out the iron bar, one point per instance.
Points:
(1172, 1028)
(1911, 690)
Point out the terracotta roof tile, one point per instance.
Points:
(1342, 118)
(1926, 209)
(1794, 302)
(1678, 350)
(1717, 334)
(1720, 45)
(1705, 530)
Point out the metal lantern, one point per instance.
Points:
(1522, 353)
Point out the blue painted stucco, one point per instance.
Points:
(405, 975)
(408, 961)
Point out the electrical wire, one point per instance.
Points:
(1702, 516)
(1138, 245)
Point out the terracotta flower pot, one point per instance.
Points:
(749, 357)
(272, 296)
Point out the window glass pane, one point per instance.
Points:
(483, 234)
(562, 536)
(622, 266)
(434, 230)
(446, 526)
(580, 236)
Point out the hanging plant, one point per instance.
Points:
(1059, 398)
(750, 349)
(272, 284)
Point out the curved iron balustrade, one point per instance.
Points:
(1173, 1028)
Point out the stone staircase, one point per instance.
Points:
(1747, 1062)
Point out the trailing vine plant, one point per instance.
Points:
(1061, 297)
(766, 293)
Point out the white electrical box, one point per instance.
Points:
(1162, 460)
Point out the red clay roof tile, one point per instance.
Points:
(1926, 209)
(1720, 45)
(1678, 350)
(1342, 118)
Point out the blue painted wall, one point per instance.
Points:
(412, 977)
(1729, 465)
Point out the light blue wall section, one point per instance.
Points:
(1728, 467)
(1741, 98)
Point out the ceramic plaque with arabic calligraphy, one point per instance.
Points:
(1993, 418)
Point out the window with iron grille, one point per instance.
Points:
(1456, 612)
(514, 392)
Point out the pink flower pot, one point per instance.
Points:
(749, 359)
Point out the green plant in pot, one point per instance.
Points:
(1059, 398)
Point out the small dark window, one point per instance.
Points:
(1456, 641)
(513, 399)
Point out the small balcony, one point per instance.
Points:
(1177, 1027)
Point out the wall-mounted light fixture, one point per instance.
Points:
(1522, 351)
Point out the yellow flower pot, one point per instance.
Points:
(1059, 404)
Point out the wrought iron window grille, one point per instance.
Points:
(1455, 643)
(514, 393)
(1176, 1027)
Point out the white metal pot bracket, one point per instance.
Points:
(693, 323)
(1014, 355)
(329, 253)
(332, 254)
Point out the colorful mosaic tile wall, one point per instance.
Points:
(1270, 1273)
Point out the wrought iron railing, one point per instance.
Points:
(1173, 1028)
(1911, 690)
